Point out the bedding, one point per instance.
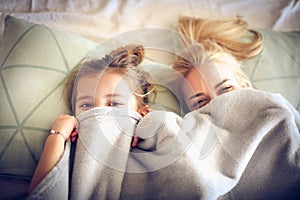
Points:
(42, 40)
(210, 153)
(100, 20)
(288, 21)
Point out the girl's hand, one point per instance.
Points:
(54, 148)
(67, 125)
(143, 111)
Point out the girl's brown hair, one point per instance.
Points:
(124, 61)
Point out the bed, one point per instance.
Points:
(41, 41)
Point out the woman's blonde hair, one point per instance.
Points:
(225, 40)
(123, 61)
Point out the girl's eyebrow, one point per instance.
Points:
(84, 98)
(109, 96)
(87, 97)
(113, 95)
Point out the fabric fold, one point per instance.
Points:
(101, 152)
(242, 144)
(212, 152)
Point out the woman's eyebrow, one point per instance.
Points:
(196, 95)
(222, 82)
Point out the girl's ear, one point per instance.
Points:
(144, 110)
(244, 85)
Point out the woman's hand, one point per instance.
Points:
(67, 125)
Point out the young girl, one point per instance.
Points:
(113, 81)
(212, 66)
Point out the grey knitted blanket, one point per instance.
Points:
(242, 145)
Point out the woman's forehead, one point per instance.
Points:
(215, 70)
(208, 75)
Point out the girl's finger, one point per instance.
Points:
(135, 141)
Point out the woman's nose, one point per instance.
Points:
(213, 94)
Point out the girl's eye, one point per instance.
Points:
(115, 104)
(200, 103)
(86, 105)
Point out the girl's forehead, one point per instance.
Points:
(106, 82)
(97, 78)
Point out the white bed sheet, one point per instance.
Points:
(100, 20)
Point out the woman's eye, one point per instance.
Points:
(226, 89)
(200, 103)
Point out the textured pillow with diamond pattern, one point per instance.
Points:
(34, 62)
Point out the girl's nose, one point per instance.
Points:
(99, 104)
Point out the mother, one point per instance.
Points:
(259, 143)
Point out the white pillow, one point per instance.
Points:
(289, 18)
